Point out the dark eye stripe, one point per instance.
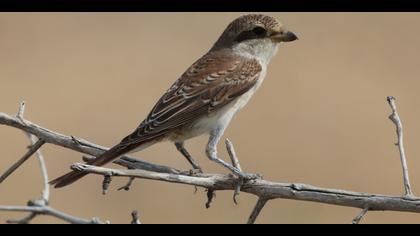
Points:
(257, 32)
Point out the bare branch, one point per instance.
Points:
(41, 160)
(270, 190)
(38, 207)
(22, 160)
(257, 210)
(44, 173)
(265, 190)
(21, 111)
(395, 118)
(360, 216)
(80, 145)
(24, 220)
(45, 195)
(46, 210)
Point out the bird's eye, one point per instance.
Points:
(259, 31)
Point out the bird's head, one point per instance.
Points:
(254, 34)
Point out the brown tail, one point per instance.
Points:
(105, 158)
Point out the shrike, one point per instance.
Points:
(207, 96)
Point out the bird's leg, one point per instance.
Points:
(181, 148)
(211, 152)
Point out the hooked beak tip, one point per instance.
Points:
(290, 36)
(285, 37)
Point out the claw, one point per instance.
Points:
(196, 171)
(244, 178)
(250, 176)
(237, 190)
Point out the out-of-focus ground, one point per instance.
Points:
(320, 117)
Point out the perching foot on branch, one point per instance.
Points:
(264, 190)
(196, 169)
(235, 162)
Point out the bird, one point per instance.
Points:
(205, 98)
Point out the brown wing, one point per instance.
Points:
(209, 84)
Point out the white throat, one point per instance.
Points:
(263, 51)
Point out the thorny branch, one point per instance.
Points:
(41, 206)
(264, 190)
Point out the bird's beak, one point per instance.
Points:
(286, 36)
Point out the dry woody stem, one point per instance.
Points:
(395, 118)
(263, 189)
(360, 216)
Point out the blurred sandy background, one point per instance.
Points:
(97, 76)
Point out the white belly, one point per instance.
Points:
(220, 119)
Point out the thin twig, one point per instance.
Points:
(46, 190)
(257, 210)
(24, 220)
(46, 210)
(395, 118)
(360, 216)
(44, 172)
(40, 157)
(21, 111)
(22, 160)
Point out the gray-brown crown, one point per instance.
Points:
(247, 23)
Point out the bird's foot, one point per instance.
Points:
(242, 179)
(249, 176)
